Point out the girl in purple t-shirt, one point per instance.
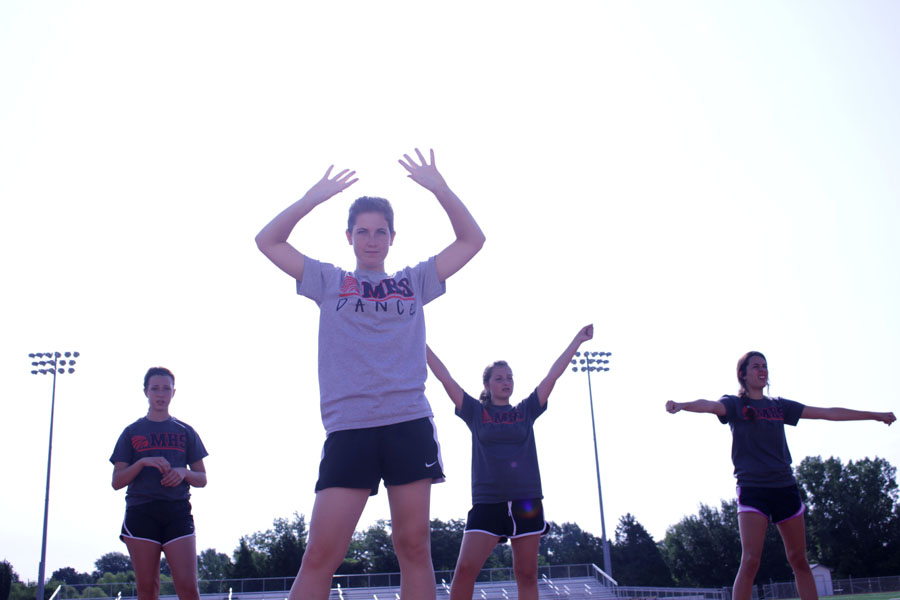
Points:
(762, 465)
(506, 483)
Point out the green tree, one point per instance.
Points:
(378, 549)
(705, 550)
(213, 565)
(280, 549)
(568, 544)
(70, 576)
(246, 561)
(636, 559)
(853, 523)
(7, 576)
(445, 542)
(111, 562)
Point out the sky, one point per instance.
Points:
(695, 178)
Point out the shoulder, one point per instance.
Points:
(137, 424)
(181, 424)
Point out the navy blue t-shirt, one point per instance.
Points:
(504, 455)
(175, 441)
(759, 447)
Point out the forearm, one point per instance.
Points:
(279, 229)
(565, 359)
(841, 414)
(195, 478)
(454, 391)
(464, 226)
(122, 477)
(701, 406)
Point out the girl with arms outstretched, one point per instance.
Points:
(767, 489)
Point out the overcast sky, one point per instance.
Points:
(697, 179)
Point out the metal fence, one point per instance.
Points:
(275, 585)
(841, 587)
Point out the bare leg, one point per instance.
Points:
(525, 565)
(474, 551)
(181, 554)
(145, 560)
(411, 533)
(793, 534)
(335, 515)
(752, 526)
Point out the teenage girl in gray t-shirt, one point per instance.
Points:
(762, 465)
(377, 420)
(506, 483)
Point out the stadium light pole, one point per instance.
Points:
(49, 363)
(596, 361)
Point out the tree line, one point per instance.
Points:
(853, 527)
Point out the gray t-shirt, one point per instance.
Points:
(759, 447)
(504, 455)
(372, 366)
(175, 441)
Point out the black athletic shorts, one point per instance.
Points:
(400, 453)
(160, 521)
(507, 520)
(778, 504)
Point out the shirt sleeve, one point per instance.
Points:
(792, 411)
(123, 452)
(195, 450)
(470, 407)
(313, 284)
(427, 280)
(730, 409)
(533, 405)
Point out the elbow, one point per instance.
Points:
(479, 241)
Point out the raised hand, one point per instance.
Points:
(586, 333)
(672, 407)
(424, 174)
(329, 186)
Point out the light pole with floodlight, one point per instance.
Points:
(49, 363)
(595, 361)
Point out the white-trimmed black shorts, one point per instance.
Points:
(160, 521)
(400, 453)
(778, 504)
(508, 520)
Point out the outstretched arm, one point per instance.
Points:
(469, 238)
(846, 414)
(697, 406)
(562, 363)
(443, 375)
(272, 240)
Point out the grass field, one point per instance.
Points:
(878, 596)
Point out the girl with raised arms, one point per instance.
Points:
(372, 373)
(506, 481)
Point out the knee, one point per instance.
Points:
(750, 562)
(467, 570)
(187, 591)
(413, 545)
(319, 557)
(798, 561)
(526, 575)
(148, 588)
